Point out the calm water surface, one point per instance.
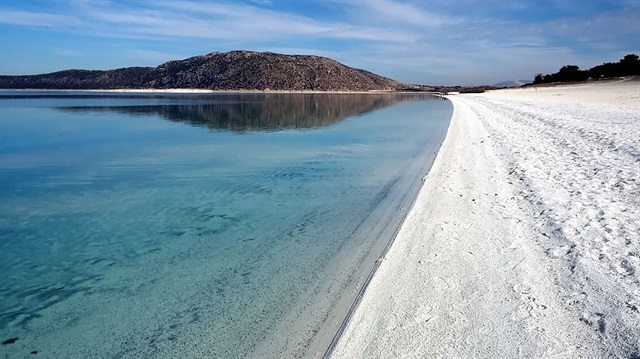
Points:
(197, 226)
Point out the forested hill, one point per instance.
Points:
(234, 70)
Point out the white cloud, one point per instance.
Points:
(402, 13)
(246, 22)
(411, 40)
(39, 19)
(229, 22)
(60, 51)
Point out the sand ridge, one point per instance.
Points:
(525, 238)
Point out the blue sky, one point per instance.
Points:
(434, 42)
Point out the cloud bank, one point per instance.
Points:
(434, 42)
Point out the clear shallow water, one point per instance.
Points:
(197, 225)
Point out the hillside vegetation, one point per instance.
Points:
(628, 66)
(234, 70)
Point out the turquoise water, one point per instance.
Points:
(198, 225)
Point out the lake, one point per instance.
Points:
(199, 225)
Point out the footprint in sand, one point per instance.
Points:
(424, 314)
(531, 306)
(392, 324)
(624, 268)
(576, 298)
(560, 251)
(522, 288)
(595, 320)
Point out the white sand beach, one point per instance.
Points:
(524, 241)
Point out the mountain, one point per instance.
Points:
(516, 83)
(234, 70)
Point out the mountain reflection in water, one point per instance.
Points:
(255, 112)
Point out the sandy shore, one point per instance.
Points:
(525, 238)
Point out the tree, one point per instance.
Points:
(538, 79)
(570, 73)
(629, 65)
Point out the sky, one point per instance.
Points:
(434, 42)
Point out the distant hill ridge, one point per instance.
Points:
(234, 70)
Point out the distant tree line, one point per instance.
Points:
(628, 66)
